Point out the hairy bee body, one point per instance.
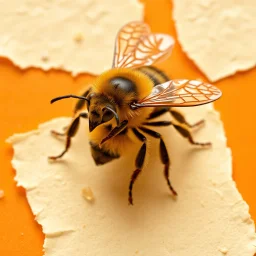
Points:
(122, 101)
(121, 87)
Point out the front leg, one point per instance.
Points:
(81, 103)
(115, 131)
(71, 132)
(66, 128)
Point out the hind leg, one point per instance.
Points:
(181, 119)
(186, 134)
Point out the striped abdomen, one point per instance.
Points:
(155, 74)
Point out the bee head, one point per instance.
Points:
(101, 110)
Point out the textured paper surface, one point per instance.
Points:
(64, 34)
(209, 216)
(219, 36)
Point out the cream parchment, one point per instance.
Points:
(76, 36)
(209, 217)
(218, 36)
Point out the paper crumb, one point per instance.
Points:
(88, 194)
(78, 38)
(217, 35)
(199, 222)
(223, 250)
(45, 57)
(57, 27)
(1, 194)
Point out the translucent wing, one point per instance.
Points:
(180, 93)
(127, 39)
(150, 49)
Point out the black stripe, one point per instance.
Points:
(152, 77)
(160, 72)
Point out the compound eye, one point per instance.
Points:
(107, 115)
(123, 84)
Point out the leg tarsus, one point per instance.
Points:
(139, 164)
(68, 143)
(55, 133)
(166, 175)
(197, 124)
(133, 178)
(202, 144)
(181, 119)
(186, 134)
(71, 132)
(166, 161)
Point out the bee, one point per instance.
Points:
(122, 103)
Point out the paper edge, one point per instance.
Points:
(211, 78)
(17, 137)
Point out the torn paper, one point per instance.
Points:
(75, 36)
(218, 36)
(209, 216)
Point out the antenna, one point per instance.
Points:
(68, 96)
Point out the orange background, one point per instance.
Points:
(25, 99)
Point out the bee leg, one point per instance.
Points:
(160, 123)
(55, 133)
(71, 132)
(166, 161)
(186, 134)
(133, 178)
(65, 128)
(181, 119)
(80, 103)
(115, 131)
(139, 162)
(163, 154)
(157, 113)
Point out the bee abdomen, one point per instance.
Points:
(101, 156)
(155, 74)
